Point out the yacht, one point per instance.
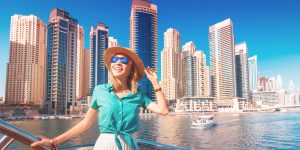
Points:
(204, 121)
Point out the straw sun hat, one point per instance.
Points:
(112, 51)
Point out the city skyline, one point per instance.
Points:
(273, 59)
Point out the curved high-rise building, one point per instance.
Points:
(253, 73)
(143, 37)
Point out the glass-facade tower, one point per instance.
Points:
(61, 62)
(98, 44)
(253, 73)
(143, 38)
(242, 72)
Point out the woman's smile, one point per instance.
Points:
(118, 68)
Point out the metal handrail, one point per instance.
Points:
(13, 133)
(5, 142)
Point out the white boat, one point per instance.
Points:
(45, 117)
(65, 117)
(204, 121)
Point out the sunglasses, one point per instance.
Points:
(123, 60)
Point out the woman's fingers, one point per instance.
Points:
(45, 141)
(150, 72)
(149, 69)
(146, 72)
(36, 144)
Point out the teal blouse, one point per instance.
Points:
(118, 116)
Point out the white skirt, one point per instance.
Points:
(106, 141)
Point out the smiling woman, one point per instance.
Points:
(117, 104)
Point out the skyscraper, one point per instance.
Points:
(207, 81)
(242, 75)
(86, 72)
(253, 73)
(80, 63)
(143, 38)
(200, 72)
(193, 71)
(170, 64)
(272, 84)
(221, 45)
(61, 62)
(263, 83)
(98, 44)
(27, 61)
(188, 67)
(291, 86)
(112, 42)
(278, 82)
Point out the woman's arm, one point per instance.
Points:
(160, 106)
(83, 125)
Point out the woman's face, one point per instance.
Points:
(120, 66)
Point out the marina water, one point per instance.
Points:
(233, 131)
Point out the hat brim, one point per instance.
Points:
(112, 51)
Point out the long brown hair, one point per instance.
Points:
(131, 80)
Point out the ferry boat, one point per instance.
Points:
(204, 121)
(11, 133)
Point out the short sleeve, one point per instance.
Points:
(94, 103)
(146, 101)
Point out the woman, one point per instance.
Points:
(116, 104)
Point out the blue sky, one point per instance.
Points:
(270, 27)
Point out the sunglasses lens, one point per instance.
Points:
(123, 60)
(114, 59)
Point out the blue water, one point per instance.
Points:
(233, 131)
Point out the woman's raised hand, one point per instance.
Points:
(151, 75)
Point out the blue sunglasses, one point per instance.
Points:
(123, 60)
